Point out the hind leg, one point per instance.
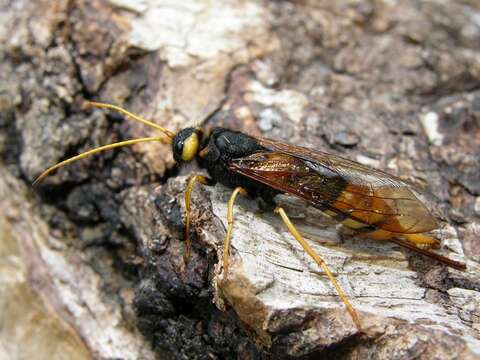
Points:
(320, 262)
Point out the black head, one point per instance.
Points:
(186, 144)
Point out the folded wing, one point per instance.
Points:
(362, 197)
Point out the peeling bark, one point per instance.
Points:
(96, 251)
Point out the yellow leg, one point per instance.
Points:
(188, 209)
(228, 236)
(321, 263)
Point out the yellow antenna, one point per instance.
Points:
(169, 134)
(92, 152)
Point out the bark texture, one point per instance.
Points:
(91, 260)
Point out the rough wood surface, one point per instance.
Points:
(95, 253)
(63, 313)
(271, 270)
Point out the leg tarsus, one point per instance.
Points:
(321, 263)
(226, 246)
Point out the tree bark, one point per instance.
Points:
(92, 259)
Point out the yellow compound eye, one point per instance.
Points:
(190, 147)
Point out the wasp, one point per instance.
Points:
(371, 202)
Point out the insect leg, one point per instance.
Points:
(228, 236)
(321, 263)
(188, 208)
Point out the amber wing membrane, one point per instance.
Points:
(360, 196)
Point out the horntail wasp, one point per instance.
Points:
(367, 200)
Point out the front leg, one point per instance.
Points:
(188, 208)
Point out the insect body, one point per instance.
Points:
(367, 200)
